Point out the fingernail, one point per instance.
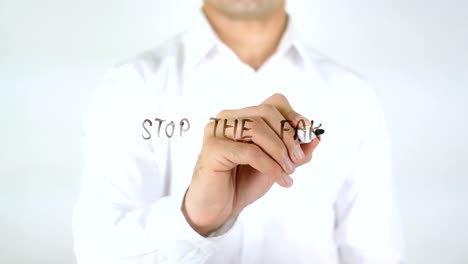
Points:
(289, 165)
(298, 153)
(287, 179)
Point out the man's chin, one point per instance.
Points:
(246, 9)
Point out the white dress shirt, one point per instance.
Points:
(339, 210)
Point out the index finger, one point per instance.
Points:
(296, 120)
(284, 107)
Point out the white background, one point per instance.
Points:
(54, 52)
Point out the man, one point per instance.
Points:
(164, 184)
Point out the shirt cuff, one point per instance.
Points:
(182, 243)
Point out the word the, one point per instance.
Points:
(236, 123)
(184, 126)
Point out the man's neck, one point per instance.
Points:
(253, 41)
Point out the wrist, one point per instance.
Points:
(201, 226)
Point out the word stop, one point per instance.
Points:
(184, 126)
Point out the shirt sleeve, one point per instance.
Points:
(125, 213)
(367, 224)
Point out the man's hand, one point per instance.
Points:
(231, 173)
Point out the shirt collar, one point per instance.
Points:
(291, 43)
(200, 39)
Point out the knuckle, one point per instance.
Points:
(253, 151)
(265, 109)
(284, 153)
(257, 123)
(288, 137)
(209, 128)
(222, 113)
(276, 172)
(279, 96)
